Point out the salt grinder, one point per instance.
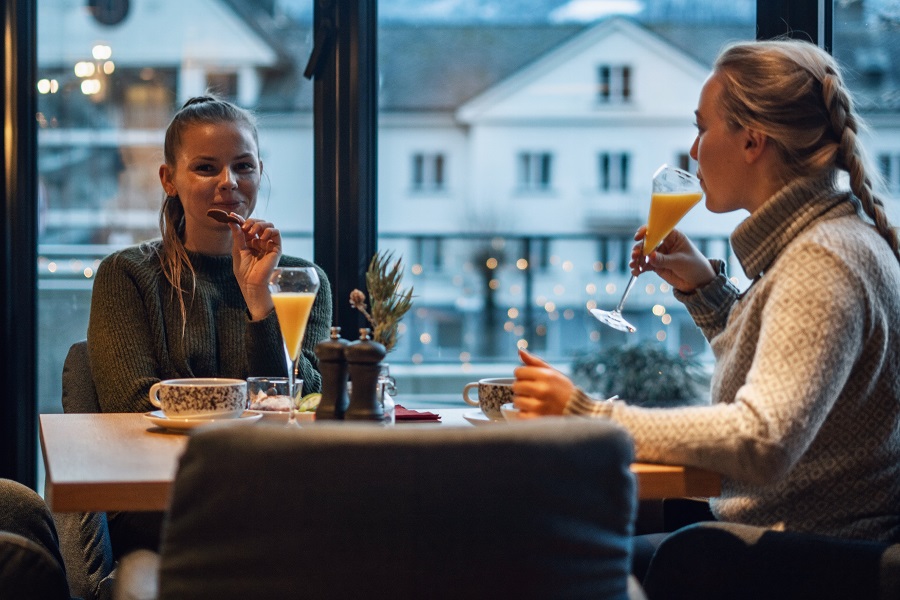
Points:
(333, 367)
(364, 364)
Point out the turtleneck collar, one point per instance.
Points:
(760, 238)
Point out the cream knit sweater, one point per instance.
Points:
(805, 416)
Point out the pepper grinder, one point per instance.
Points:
(364, 364)
(333, 367)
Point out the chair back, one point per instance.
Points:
(83, 537)
(529, 510)
(78, 392)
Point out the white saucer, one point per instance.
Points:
(158, 418)
(476, 417)
(510, 412)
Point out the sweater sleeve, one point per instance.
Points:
(121, 339)
(710, 305)
(810, 337)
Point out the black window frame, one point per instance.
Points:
(345, 223)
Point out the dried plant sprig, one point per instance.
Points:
(388, 302)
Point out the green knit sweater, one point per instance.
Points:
(135, 329)
(805, 415)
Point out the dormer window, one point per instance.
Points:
(614, 84)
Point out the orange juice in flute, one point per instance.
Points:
(293, 310)
(293, 292)
(675, 192)
(666, 210)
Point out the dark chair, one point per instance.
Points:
(29, 553)
(27, 571)
(726, 560)
(84, 537)
(531, 510)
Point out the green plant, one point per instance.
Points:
(389, 302)
(641, 374)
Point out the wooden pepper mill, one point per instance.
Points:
(364, 364)
(333, 367)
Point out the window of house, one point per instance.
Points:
(613, 171)
(613, 83)
(535, 170)
(890, 170)
(428, 171)
(686, 163)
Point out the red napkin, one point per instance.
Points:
(406, 414)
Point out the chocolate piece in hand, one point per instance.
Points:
(221, 216)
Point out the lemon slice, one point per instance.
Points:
(309, 402)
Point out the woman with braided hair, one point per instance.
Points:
(804, 423)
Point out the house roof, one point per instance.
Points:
(440, 67)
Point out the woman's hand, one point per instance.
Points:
(255, 253)
(539, 389)
(676, 260)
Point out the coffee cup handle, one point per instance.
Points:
(466, 389)
(154, 395)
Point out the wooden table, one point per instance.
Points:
(121, 461)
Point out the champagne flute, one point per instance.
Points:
(293, 293)
(675, 192)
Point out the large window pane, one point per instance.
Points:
(110, 80)
(550, 126)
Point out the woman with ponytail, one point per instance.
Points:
(804, 423)
(196, 303)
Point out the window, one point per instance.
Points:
(686, 163)
(613, 84)
(535, 170)
(720, 20)
(613, 171)
(890, 170)
(428, 171)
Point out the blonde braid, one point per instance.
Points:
(850, 157)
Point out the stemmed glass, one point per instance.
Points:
(293, 293)
(675, 192)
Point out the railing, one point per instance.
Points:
(470, 312)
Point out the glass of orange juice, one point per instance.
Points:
(675, 192)
(293, 293)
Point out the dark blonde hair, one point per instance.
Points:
(199, 110)
(792, 92)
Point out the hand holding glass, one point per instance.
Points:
(675, 192)
(293, 293)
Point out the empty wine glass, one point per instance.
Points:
(675, 192)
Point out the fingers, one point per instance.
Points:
(261, 236)
(530, 359)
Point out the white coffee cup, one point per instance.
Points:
(492, 394)
(200, 397)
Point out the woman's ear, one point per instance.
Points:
(165, 178)
(755, 145)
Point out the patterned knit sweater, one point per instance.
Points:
(805, 416)
(135, 329)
